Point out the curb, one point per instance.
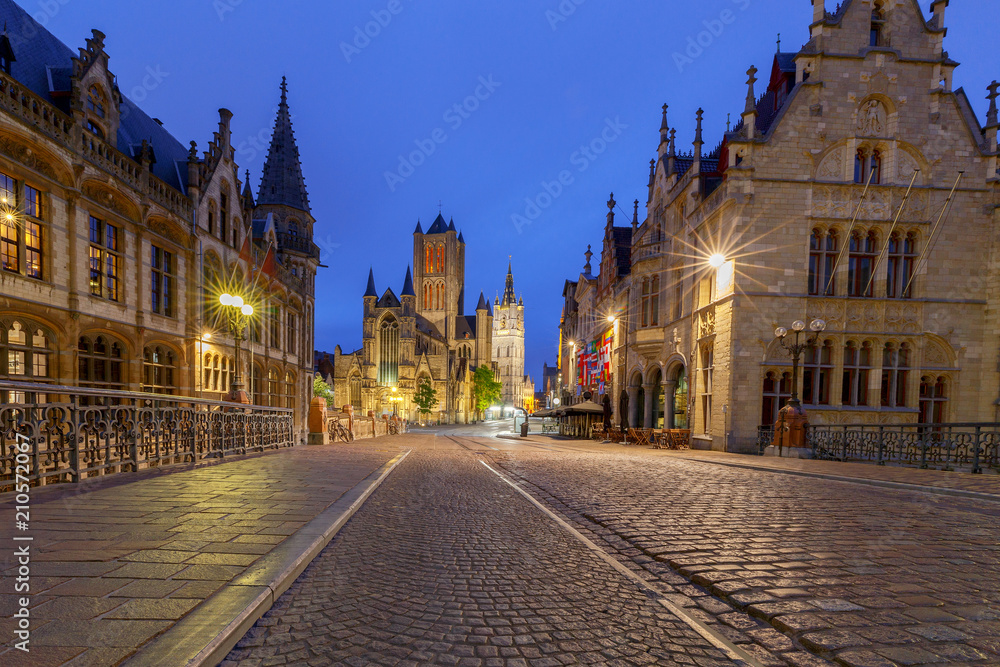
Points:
(901, 486)
(210, 631)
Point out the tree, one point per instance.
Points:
(321, 388)
(485, 389)
(425, 396)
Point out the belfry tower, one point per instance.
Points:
(508, 343)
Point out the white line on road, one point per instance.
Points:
(732, 651)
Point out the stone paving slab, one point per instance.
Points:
(986, 483)
(813, 567)
(116, 563)
(448, 565)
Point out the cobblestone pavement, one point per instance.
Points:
(447, 564)
(116, 562)
(791, 566)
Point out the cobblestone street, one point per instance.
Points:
(447, 564)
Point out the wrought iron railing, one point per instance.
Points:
(974, 447)
(54, 434)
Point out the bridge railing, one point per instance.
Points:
(55, 434)
(973, 447)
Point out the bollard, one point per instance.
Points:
(318, 432)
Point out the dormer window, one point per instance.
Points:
(95, 101)
(878, 22)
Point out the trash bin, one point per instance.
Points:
(524, 429)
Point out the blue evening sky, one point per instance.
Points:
(554, 85)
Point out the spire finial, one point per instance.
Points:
(697, 132)
(635, 215)
(663, 123)
(588, 255)
(751, 105)
(728, 122)
(284, 90)
(991, 115)
(779, 43)
(673, 138)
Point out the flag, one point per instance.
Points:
(245, 252)
(270, 265)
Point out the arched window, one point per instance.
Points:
(225, 383)
(388, 352)
(216, 376)
(878, 22)
(206, 367)
(895, 371)
(95, 101)
(644, 302)
(859, 167)
(158, 368)
(863, 250)
(875, 165)
(440, 258)
(256, 384)
(816, 373)
(440, 296)
(289, 390)
(857, 373)
(777, 390)
(24, 355)
(901, 259)
(355, 388)
(273, 389)
(101, 363)
(933, 400)
(429, 258)
(822, 257)
(293, 229)
(654, 302)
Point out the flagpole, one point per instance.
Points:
(847, 239)
(885, 246)
(931, 236)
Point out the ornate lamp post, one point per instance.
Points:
(623, 406)
(790, 430)
(395, 398)
(238, 314)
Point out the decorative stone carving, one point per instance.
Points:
(872, 119)
(706, 323)
(832, 166)
(166, 230)
(23, 154)
(905, 164)
(114, 201)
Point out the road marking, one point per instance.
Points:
(732, 651)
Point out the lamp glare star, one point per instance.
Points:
(246, 309)
(717, 260)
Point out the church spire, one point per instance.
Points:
(508, 293)
(281, 182)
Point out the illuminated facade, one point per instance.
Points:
(117, 238)
(912, 330)
(422, 334)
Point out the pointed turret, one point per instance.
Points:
(635, 217)
(418, 230)
(407, 284)
(664, 133)
(439, 226)
(698, 143)
(461, 239)
(247, 194)
(370, 291)
(451, 225)
(750, 110)
(483, 304)
(281, 182)
(672, 153)
(508, 290)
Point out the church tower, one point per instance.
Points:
(439, 274)
(508, 343)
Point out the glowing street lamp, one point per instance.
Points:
(795, 349)
(716, 260)
(238, 314)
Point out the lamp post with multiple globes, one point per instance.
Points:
(238, 314)
(790, 430)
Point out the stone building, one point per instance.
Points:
(116, 239)
(508, 348)
(911, 307)
(423, 333)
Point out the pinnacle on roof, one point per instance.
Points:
(439, 226)
(247, 192)
(370, 291)
(451, 225)
(482, 305)
(6, 51)
(508, 291)
(461, 239)
(408, 284)
(418, 230)
(281, 182)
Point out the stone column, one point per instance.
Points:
(633, 406)
(647, 417)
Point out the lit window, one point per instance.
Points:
(105, 259)
(158, 370)
(895, 371)
(162, 281)
(816, 373)
(857, 371)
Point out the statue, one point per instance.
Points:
(872, 120)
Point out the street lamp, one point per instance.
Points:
(395, 399)
(623, 398)
(795, 349)
(238, 314)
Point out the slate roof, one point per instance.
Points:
(41, 58)
(370, 291)
(439, 226)
(408, 284)
(483, 304)
(282, 183)
(418, 230)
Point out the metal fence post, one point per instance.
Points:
(881, 445)
(975, 452)
(74, 438)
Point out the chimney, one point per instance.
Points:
(819, 10)
(937, 9)
(225, 133)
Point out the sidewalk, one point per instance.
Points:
(958, 483)
(116, 563)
